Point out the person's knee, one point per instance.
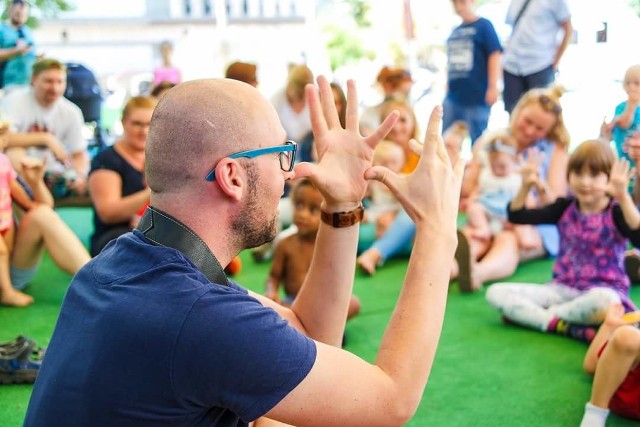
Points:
(626, 340)
(496, 294)
(602, 298)
(40, 214)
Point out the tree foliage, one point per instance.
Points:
(344, 43)
(44, 8)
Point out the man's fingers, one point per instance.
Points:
(416, 147)
(383, 129)
(328, 105)
(380, 173)
(352, 122)
(432, 140)
(318, 123)
(458, 169)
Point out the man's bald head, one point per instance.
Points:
(199, 122)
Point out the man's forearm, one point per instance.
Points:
(568, 35)
(409, 343)
(322, 303)
(80, 161)
(28, 139)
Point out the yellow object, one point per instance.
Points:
(633, 317)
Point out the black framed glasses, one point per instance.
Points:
(286, 155)
(549, 104)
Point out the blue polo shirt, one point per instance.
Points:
(144, 339)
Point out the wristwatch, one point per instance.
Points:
(342, 219)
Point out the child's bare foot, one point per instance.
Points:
(15, 298)
(369, 260)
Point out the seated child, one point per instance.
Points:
(613, 357)
(627, 114)
(292, 256)
(11, 190)
(498, 183)
(383, 206)
(595, 224)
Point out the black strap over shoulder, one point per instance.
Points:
(515, 21)
(164, 230)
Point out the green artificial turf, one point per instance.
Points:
(485, 374)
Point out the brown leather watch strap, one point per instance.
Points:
(343, 219)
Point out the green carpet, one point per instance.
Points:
(485, 373)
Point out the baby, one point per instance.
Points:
(292, 256)
(498, 182)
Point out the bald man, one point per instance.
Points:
(151, 332)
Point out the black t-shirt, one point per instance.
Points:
(132, 182)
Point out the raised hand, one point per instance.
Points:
(430, 194)
(343, 154)
(606, 129)
(530, 169)
(619, 178)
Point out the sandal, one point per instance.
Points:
(20, 361)
(463, 258)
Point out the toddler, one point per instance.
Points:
(627, 114)
(292, 255)
(613, 357)
(595, 225)
(11, 190)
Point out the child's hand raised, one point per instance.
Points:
(619, 177)
(530, 168)
(606, 129)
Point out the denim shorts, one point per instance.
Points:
(20, 277)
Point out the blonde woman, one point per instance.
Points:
(116, 181)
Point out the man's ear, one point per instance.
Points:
(231, 178)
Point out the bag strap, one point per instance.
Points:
(515, 21)
(164, 230)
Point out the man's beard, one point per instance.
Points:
(250, 227)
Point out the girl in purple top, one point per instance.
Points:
(595, 225)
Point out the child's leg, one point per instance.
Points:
(621, 356)
(528, 237)
(42, 227)
(588, 308)
(401, 231)
(478, 221)
(9, 295)
(525, 304)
